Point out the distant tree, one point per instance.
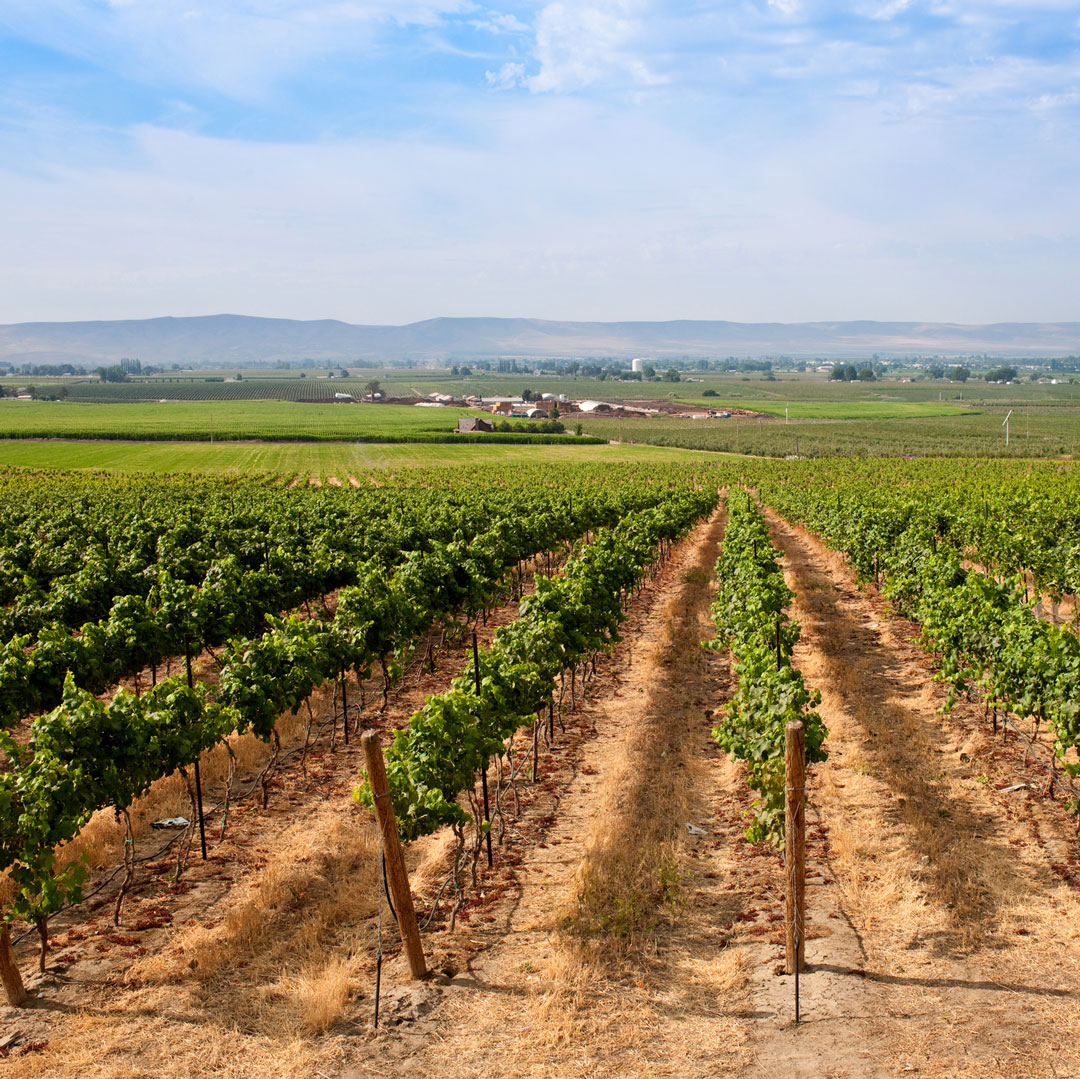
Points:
(344, 372)
(466, 372)
(1001, 374)
(936, 370)
(851, 373)
(455, 371)
(672, 375)
(649, 371)
(554, 412)
(866, 374)
(526, 394)
(371, 388)
(239, 377)
(960, 374)
(710, 392)
(116, 373)
(837, 373)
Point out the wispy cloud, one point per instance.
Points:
(392, 159)
(235, 47)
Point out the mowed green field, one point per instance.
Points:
(221, 420)
(315, 460)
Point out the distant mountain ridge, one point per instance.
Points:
(237, 340)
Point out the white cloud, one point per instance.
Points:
(578, 44)
(501, 24)
(507, 77)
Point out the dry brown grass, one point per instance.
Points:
(630, 876)
(167, 1042)
(274, 963)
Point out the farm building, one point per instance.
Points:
(594, 406)
(536, 413)
(468, 424)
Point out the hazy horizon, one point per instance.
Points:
(383, 163)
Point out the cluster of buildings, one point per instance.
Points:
(504, 407)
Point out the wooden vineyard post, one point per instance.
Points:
(198, 778)
(395, 860)
(483, 774)
(795, 852)
(9, 972)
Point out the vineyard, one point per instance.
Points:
(581, 675)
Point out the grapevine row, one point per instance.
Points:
(984, 632)
(750, 617)
(438, 754)
(87, 754)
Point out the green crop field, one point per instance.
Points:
(319, 460)
(228, 421)
(225, 420)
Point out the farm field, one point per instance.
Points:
(607, 938)
(806, 415)
(320, 460)
(223, 421)
(1034, 432)
(784, 388)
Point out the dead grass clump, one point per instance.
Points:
(106, 1045)
(279, 962)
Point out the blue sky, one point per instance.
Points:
(392, 160)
